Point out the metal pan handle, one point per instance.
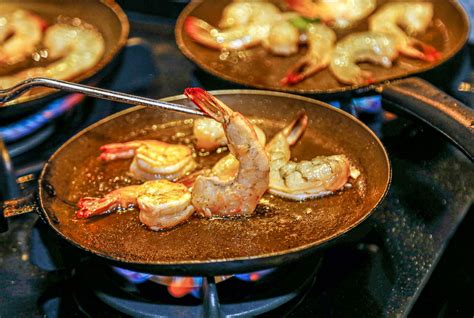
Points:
(442, 112)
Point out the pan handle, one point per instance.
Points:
(442, 112)
(20, 206)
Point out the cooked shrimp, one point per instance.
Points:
(210, 134)
(162, 204)
(306, 179)
(247, 24)
(414, 18)
(283, 38)
(20, 34)
(378, 48)
(246, 12)
(77, 48)
(321, 41)
(239, 196)
(152, 159)
(337, 13)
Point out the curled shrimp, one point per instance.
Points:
(378, 48)
(162, 204)
(152, 159)
(337, 13)
(240, 195)
(321, 41)
(414, 18)
(306, 179)
(246, 24)
(20, 34)
(210, 134)
(75, 49)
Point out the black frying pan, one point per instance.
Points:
(105, 15)
(280, 232)
(260, 69)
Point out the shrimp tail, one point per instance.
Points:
(296, 128)
(300, 71)
(116, 151)
(200, 31)
(89, 206)
(430, 53)
(303, 7)
(209, 104)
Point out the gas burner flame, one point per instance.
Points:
(179, 286)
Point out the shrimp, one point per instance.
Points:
(414, 17)
(76, 48)
(306, 179)
(337, 13)
(162, 204)
(378, 48)
(247, 24)
(239, 196)
(152, 159)
(321, 40)
(210, 134)
(20, 34)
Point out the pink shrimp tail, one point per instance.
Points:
(291, 78)
(430, 53)
(208, 103)
(90, 206)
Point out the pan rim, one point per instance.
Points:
(101, 65)
(303, 248)
(179, 31)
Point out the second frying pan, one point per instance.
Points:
(281, 231)
(105, 15)
(257, 68)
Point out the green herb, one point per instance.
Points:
(303, 23)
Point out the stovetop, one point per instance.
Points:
(381, 274)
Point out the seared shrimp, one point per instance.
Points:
(162, 204)
(239, 196)
(77, 48)
(247, 24)
(337, 13)
(210, 134)
(378, 48)
(321, 41)
(20, 34)
(414, 18)
(152, 159)
(306, 179)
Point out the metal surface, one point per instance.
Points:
(257, 68)
(281, 231)
(105, 15)
(22, 87)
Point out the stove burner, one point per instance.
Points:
(282, 286)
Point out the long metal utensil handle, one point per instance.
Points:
(17, 90)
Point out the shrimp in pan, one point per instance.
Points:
(210, 134)
(240, 195)
(414, 18)
(321, 40)
(162, 204)
(338, 13)
(152, 159)
(75, 49)
(20, 34)
(306, 179)
(378, 48)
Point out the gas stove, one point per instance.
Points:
(382, 274)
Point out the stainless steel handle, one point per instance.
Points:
(17, 90)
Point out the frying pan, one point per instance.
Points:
(257, 68)
(280, 232)
(105, 15)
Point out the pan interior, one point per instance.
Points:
(106, 16)
(278, 226)
(256, 67)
